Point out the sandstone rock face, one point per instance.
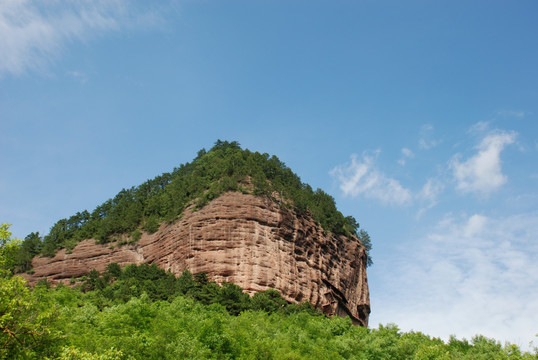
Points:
(240, 238)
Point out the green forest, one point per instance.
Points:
(143, 312)
(225, 167)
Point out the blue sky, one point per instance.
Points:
(419, 117)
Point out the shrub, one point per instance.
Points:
(136, 235)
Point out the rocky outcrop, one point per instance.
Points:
(240, 238)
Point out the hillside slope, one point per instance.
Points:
(245, 239)
(236, 215)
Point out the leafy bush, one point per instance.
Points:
(136, 235)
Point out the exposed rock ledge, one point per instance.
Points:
(244, 239)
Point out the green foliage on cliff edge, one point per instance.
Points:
(226, 167)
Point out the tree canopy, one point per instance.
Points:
(225, 167)
(143, 312)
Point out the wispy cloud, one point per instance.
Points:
(79, 76)
(482, 173)
(362, 177)
(511, 113)
(406, 154)
(426, 140)
(429, 194)
(34, 33)
(469, 275)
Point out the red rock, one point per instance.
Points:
(240, 238)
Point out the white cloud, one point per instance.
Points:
(78, 76)
(471, 275)
(431, 190)
(362, 177)
(511, 113)
(480, 127)
(34, 33)
(406, 154)
(482, 172)
(428, 194)
(475, 225)
(426, 142)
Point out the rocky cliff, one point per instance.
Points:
(248, 240)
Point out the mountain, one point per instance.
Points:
(236, 215)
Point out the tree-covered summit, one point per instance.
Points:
(225, 167)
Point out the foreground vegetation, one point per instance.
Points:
(143, 312)
(226, 167)
(65, 323)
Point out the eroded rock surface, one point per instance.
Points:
(244, 239)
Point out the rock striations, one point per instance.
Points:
(245, 239)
